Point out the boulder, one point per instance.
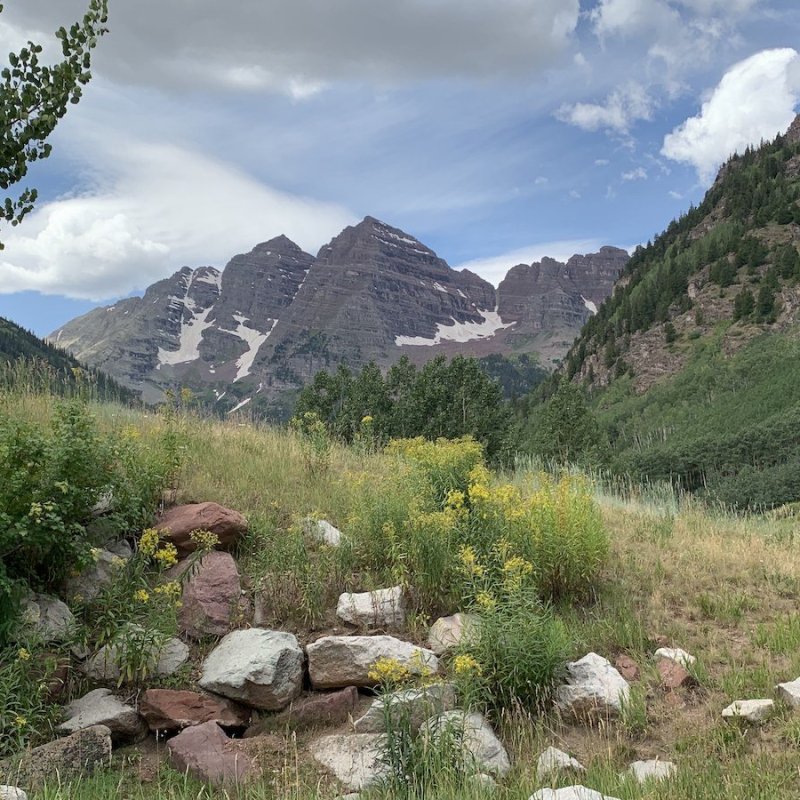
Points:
(211, 597)
(749, 710)
(336, 661)
(448, 632)
(206, 753)
(75, 756)
(261, 668)
(355, 759)
(481, 750)
(47, 618)
(675, 654)
(329, 708)
(101, 707)
(593, 687)
(172, 709)
(789, 693)
(412, 706)
(627, 667)
(163, 659)
(576, 792)
(12, 793)
(381, 608)
(102, 573)
(320, 530)
(554, 761)
(178, 523)
(674, 675)
(653, 770)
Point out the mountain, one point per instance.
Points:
(260, 329)
(694, 361)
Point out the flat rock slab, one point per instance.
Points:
(206, 753)
(177, 525)
(675, 654)
(336, 661)
(749, 710)
(448, 633)
(482, 751)
(411, 706)
(257, 667)
(211, 597)
(554, 761)
(576, 792)
(355, 759)
(380, 608)
(652, 770)
(593, 687)
(172, 709)
(328, 708)
(101, 707)
(789, 693)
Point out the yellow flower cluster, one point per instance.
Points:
(148, 544)
(171, 590)
(455, 500)
(469, 562)
(141, 596)
(485, 601)
(367, 420)
(167, 556)
(23, 654)
(205, 541)
(465, 665)
(20, 721)
(515, 571)
(389, 671)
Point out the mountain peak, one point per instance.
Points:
(280, 244)
(793, 134)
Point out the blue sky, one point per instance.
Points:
(496, 132)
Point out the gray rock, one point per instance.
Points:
(554, 761)
(322, 531)
(336, 661)
(481, 749)
(355, 759)
(449, 632)
(47, 618)
(749, 710)
(12, 793)
(102, 573)
(162, 658)
(411, 705)
(654, 770)
(789, 693)
(101, 707)
(675, 654)
(207, 754)
(576, 792)
(382, 607)
(594, 687)
(261, 668)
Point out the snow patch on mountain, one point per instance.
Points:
(191, 336)
(592, 307)
(254, 339)
(459, 331)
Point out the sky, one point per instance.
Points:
(495, 131)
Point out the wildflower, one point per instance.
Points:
(149, 542)
(485, 601)
(117, 563)
(465, 665)
(20, 721)
(167, 556)
(142, 595)
(172, 590)
(35, 512)
(23, 654)
(388, 671)
(204, 540)
(515, 570)
(469, 562)
(96, 553)
(77, 599)
(455, 500)
(366, 420)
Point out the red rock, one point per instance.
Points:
(627, 667)
(170, 709)
(673, 675)
(207, 754)
(330, 708)
(178, 523)
(211, 597)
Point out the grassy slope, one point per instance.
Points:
(723, 588)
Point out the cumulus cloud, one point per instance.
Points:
(150, 209)
(755, 100)
(623, 107)
(638, 174)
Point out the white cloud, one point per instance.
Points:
(755, 100)
(638, 174)
(675, 195)
(575, 194)
(624, 106)
(601, 162)
(541, 181)
(494, 268)
(629, 17)
(150, 209)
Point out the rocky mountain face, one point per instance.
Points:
(275, 316)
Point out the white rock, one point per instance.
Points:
(593, 687)
(413, 705)
(552, 761)
(449, 632)
(12, 793)
(789, 692)
(336, 661)
(652, 770)
(322, 531)
(261, 668)
(576, 792)
(749, 710)
(163, 659)
(100, 574)
(675, 654)
(482, 750)
(100, 707)
(49, 618)
(379, 608)
(355, 759)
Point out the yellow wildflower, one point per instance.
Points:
(515, 570)
(469, 562)
(455, 499)
(466, 665)
(167, 556)
(367, 420)
(142, 595)
(20, 721)
(171, 590)
(204, 540)
(485, 601)
(96, 553)
(388, 671)
(23, 654)
(149, 542)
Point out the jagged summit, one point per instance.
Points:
(793, 133)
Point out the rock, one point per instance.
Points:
(261, 668)
(331, 708)
(411, 705)
(481, 749)
(47, 618)
(207, 754)
(789, 693)
(448, 632)
(163, 660)
(179, 522)
(171, 709)
(627, 667)
(355, 759)
(675, 654)
(335, 661)
(101, 574)
(322, 531)
(211, 597)
(654, 769)
(554, 761)
(75, 756)
(593, 687)
(101, 707)
(383, 607)
(674, 675)
(749, 710)
(12, 793)
(576, 792)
